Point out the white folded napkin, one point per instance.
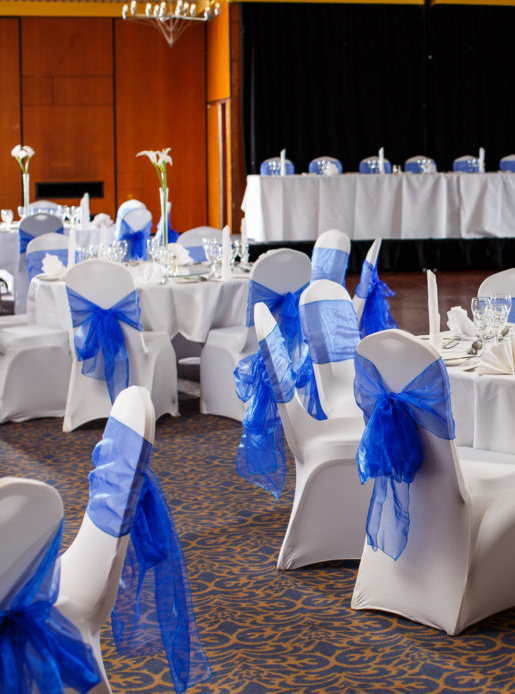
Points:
(380, 159)
(84, 211)
(102, 220)
(226, 254)
(182, 255)
(459, 323)
(432, 307)
(500, 358)
(282, 160)
(147, 273)
(53, 267)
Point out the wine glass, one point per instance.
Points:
(501, 307)
(7, 217)
(482, 315)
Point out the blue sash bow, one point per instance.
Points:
(331, 327)
(153, 608)
(38, 645)
(197, 253)
(329, 264)
(136, 240)
(100, 335)
(390, 450)
(376, 314)
(35, 260)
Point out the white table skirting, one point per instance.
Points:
(367, 206)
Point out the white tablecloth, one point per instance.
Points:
(188, 308)
(367, 206)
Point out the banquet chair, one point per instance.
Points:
(135, 228)
(99, 290)
(127, 555)
(125, 207)
(330, 326)
(466, 164)
(420, 164)
(192, 241)
(501, 283)
(370, 165)
(444, 558)
(507, 163)
(37, 249)
(371, 296)
(42, 205)
(30, 227)
(329, 508)
(38, 637)
(325, 166)
(272, 167)
(330, 256)
(279, 271)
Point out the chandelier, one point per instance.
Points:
(172, 19)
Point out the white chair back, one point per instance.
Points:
(501, 282)
(371, 257)
(282, 270)
(30, 514)
(193, 237)
(334, 379)
(138, 218)
(125, 207)
(54, 244)
(324, 267)
(38, 205)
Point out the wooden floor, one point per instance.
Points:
(409, 305)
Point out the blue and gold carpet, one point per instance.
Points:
(264, 632)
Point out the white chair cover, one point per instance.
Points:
(151, 357)
(330, 327)
(329, 508)
(125, 207)
(330, 256)
(501, 283)
(282, 270)
(135, 228)
(192, 240)
(53, 244)
(457, 566)
(30, 227)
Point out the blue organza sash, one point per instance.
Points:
(329, 264)
(38, 645)
(508, 165)
(390, 450)
(284, 307)
(35, 260)
(511, 317)
(136, 240)
(24, 238)
(331, 326)
(100, 342)
(153, 608)
(376, 314)
(197, 253)
(260, 456)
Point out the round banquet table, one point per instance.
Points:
(190, 307)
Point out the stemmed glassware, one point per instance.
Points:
(7, 217)
(481, 308)
(501, 307)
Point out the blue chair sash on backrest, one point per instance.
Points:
(260, 456)
(38, 645)
(331, 327)
(329, 264)
(100, 342)
(136, 240)
(197, 253)
(507, 165)
(35, 259)
(153, 609)
(470, 165)
(390, 450)
(376, 314)
(24, 238)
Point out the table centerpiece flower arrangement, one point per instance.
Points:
(159, 160)
(23, 155)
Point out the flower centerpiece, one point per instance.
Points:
(159, 160)
(23, 156)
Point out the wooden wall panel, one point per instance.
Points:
(160, 102)
(10, 125)
(218, 56)
(67, 72)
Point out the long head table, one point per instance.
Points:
(367, 206)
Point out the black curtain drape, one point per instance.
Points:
(344, 80)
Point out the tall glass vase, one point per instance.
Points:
(163, 195)
(25, 177)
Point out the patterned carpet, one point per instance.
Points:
(264, 632)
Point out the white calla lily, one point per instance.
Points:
(150, 154)
(159, 159)
(20, 153)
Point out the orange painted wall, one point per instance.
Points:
(94, 92)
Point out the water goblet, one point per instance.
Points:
(7, 217)
(482, 315)
(501, 307)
